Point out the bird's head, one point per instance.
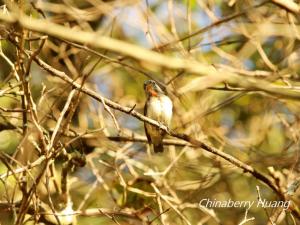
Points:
(152, 89)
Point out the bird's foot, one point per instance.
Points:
(164, 127)
(168, 130)
(161, 126)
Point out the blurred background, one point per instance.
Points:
(98, 156)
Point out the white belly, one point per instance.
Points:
(160, 109)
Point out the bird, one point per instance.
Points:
(158, 107)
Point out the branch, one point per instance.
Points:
(25, 168)
(144, 140)
(288, 5)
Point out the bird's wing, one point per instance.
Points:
(146, 131)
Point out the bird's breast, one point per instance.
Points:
(160, 109)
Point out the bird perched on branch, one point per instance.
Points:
(158, 107)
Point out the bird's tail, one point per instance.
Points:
(158, 147)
